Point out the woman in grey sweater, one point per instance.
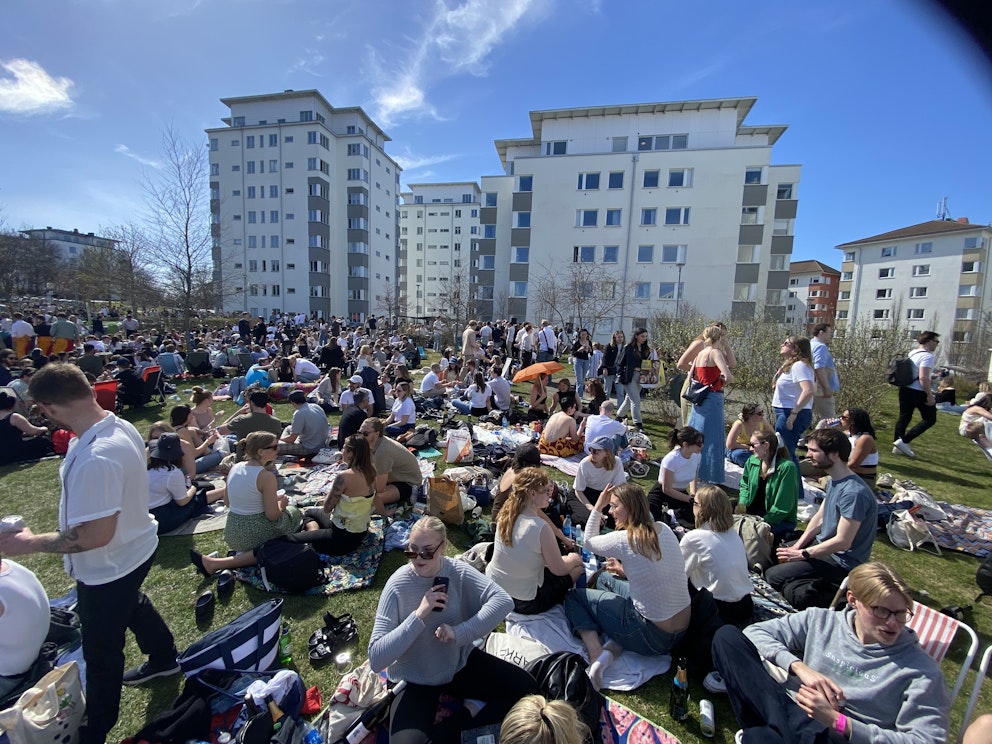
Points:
(430, 613)
(862, 674)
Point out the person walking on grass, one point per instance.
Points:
(108, 539)
(917, 396)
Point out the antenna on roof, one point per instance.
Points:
(942, 213)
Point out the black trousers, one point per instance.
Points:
(913, 400)
(329, 539)
(106, 611)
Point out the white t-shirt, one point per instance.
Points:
(589, 476)
(788, 389)
(165, 485)
(479, 397)
(24, 623)
(718, 562)
(683, 470)
(921, 358)
(598, 425)
(429, 382)
(404, 411)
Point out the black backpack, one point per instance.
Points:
(293, 567)
(423, 437)
(901, 371)
(984, 578)
(562, 676)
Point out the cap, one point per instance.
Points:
(602, 443)
(166, 447)
(357, 379)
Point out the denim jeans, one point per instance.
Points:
(394, 430)
(791, 436)
(581, 372)
(611, 611)
(609, 384)
(630, 395)
(738, 456)
(209, 461)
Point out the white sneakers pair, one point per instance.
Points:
(899, 447)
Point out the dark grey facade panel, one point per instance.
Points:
(519, 272)
(358, 236)
(782, 244)
(778, 280)
(755, 195)
(487, 246)
(741, 310)
(751, 235)
(746, 274)
(358, 211)
(517, 307)
(487, 216)
(520, 236)
(522, 201)
(775, 314)
(785, 209)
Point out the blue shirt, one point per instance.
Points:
(850, 497)
(822, 359)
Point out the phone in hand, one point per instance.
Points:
(442, 582)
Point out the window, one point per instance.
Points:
(613, 217)
(553, 148)
(526, 184)
(921, 270)
(250, 142)
(589, 181)
(651, 179)
(645, 254)
(523, 219)
(666, 290)
(616, 180)
(677, 216)
(215, 144)
(312, 138)
(680, 177)
(914, 313)
(784, 191)
(273, 215)
(923, 248)
(883, 294)
(846, 276)
(777, 262)
(649, 216)
(971, 267)
(750, 254)
(663, 142)
(250, 192)
(252, 265)
(583, 254)
(288, 164)
(466, 199)
(287, 138)
(917, 291)
(781, 227)
(752, 176)
(849, 256)
(273, 192)
(775, 297)
(970, 243)
(750, 216)
(887, 252)
(964, 313)
(744, 292)
(354, 223)
(611, 254)
(491, 199)
(619, 144)
(881, 314)
(961, 337)
(518, 289)
(673, 253)
(968, 290)
(488, 231)
(886, 273)
(306, 116)
(274, 265)
(586, 217)
(356, 174)
(251, 167)
(845, 295)
(273, 140)
(252, 241)
(252, 218)
(474, 213)
(214, 169)
(642, 290)
(520, 254)
(842, 314)
(485, 262)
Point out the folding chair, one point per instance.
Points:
(983, 669)
(244, 360)
(106, 394)
(152, 377)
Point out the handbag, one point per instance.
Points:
(50, 711)
(292, 567)
(249, 642)
(444, 501)
(909, 532)
(697, 392)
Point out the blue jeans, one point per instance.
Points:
(581, 372)
(394, 430)
(707, 417)
(209, 461)
(630, 396)
(738, 456)
(791, 436)
(611, 611)
(463, 406)
(545, 355)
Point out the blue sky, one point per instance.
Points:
(889, 106)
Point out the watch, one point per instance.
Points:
(805, 554)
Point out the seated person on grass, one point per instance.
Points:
(251, 417)
(560, 435)
(309, 430)
(24, 620)
(170, 500)
(397, 469)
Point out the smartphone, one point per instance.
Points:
(443, 582)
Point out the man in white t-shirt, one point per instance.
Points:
(547, 342)
(917, 396)
(348, 396)
(431, 386)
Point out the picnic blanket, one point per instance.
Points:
(966, 530)
(621, 725)
(567, 465)
(353, 571)
(204, 523)
(768, 603)
(427, 453)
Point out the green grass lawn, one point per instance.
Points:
(949, 466)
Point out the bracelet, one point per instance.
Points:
(840, 725)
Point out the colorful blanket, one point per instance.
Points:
(621, 725)
(353, 571)
(966, 530)
(768, 603)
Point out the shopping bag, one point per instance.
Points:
(459, 446)
(249, 642)
(50, 711)
(444, 501)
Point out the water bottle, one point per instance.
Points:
(285, 646)
(678, 704)
(310, 734)
(566, 526)
(504, 422)
(580, 543)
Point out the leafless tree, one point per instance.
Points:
(178, 219)
(28, 266)
(584, 294)
(454, 301)
(390, 302)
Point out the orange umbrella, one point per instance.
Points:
(535, 370)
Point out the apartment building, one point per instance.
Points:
(634, 209)
(929, 276)
(70, 244)
(303, 201)
(438, 224)
(813, 292)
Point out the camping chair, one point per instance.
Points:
(106, 394)
(198, 363)
(245, 362)
(152, 377)
(983, 669)
(171, 365)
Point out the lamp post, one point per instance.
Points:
(678, 290)
(417, 304)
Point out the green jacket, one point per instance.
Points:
(781, 489)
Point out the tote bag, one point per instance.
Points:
(249, 642)
(50, 712)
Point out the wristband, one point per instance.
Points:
(840, 725)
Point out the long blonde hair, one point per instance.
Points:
(525, 481)
(641, 534)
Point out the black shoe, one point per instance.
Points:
(145, 672)
(225, 584)
(205, 607)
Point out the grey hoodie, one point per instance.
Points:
(894, 693)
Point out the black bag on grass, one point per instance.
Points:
(984, 578)
(562, 676)
(293, 567)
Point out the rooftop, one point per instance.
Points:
(811, 267)
(924, 229)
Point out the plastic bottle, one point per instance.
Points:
(678, 705)
(566, 526)
(504, 422)
(580, 543)
(285, 645)
(310, 734)
(372, 717)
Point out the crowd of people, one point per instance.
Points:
(658, 587)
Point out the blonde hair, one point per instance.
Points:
(714, 507)
(536, 720)
(641, 534)
(256, 441)
(198, 395)
(430, 524)
(525, 481)
(871, 582)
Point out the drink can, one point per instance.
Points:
(706, 721)
(13, 523)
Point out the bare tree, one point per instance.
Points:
(585, 294)
(390, 302)
(454, 301)
(134, 279)
(28, 266)
(178, 218)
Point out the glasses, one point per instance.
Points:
(593, 450)
(884, 613)
(425, 555)
(364, 433)
(752, 445)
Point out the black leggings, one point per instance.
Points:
(498, 683)
(329, 539)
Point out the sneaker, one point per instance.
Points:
(145, 672)
(739, 737)
(713, 682)
(900, 447)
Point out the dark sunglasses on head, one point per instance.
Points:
(425, 555)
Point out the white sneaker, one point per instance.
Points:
(900, 447)
(714, 683)
(739, 737)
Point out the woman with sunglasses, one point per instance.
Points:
(642, 599)
(403, 416)
(862, 674)
(526, 560)
(793, 397)
(430, 612)
(770, 484)
(599, 469)
(750, 421)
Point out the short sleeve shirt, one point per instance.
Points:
(921, 358)
(849, 497)
(397, 462)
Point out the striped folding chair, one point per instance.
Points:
(936, 632)
(983, 669)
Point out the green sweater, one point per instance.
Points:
(781, 489)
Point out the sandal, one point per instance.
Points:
(321, 654)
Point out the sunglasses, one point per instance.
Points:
(425, 555)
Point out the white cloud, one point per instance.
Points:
(126, 151)
(454, 40)
(308, 62)
(408, 161)
(31, 90)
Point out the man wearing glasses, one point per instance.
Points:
(397, 469)
(838, 537)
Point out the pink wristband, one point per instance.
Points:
(840, 725)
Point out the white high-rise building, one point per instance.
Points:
(622, 211)
(438, 224)
(304, 207)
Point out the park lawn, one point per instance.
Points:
(949, 466)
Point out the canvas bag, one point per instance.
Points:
(250, 642)
(444, 501)
(459, 447)
(50, 712)
(908, 532)
(758, 539)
